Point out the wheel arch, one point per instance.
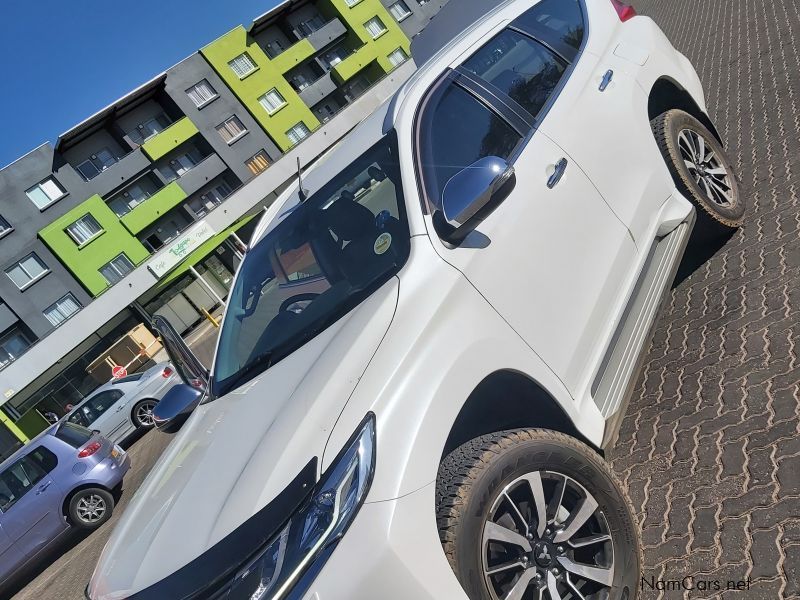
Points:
(667, 94)
(508, 399)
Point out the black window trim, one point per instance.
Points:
(20, 461)
(494, 99)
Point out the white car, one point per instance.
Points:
(430, 342)
(122, 406)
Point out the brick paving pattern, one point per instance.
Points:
(710, 446)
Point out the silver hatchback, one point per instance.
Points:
(120, 407)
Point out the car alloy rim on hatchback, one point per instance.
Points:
(144, 413)
(705, 167)
(91, 508)
(545, 533)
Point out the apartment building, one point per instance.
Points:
(143, 208)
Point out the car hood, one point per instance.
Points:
(236, 454)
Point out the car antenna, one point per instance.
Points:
(301, 192)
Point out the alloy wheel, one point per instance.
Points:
(91, 508)
(545, 537)
(144, 413)
(705, 167)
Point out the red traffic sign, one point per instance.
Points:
(119, 372)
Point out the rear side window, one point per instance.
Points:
(44, 459)
(18, 480)
(558, 23)
(72, 434)
(456, 130)
(521, 68)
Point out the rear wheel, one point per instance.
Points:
(90, 508)
(701, 170)
(143, 414)
(529, 514)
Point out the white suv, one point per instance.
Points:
(431, 340)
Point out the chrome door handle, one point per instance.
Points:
(606, 80)
(558, 173)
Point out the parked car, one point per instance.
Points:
(489, 252)
(66, 477)
(122, 406)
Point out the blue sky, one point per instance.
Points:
(65, 59)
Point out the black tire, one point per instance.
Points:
(714, 215)
(470, 485)
(137, 418)
(80, 511)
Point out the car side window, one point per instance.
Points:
(457, 129)
(99, 404)
(18, 480)
(44, 458)
(520, 67)
(558, 23)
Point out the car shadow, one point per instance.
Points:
(698, 252)
(71, 538)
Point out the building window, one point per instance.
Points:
(201, 93)
(231, 129)
(28, 270)
(272, 101)
(45, 193)
(61, 310)
(351, 2)
(179, 165)
(144, 131)
(125, 202)
(116, 269)
(5, 227)
(242, 65)
(257, 163)
(398, 57)
(96, 164)
(375, 27)
(210, 199)
(298, 133)
(84, 229)
(400, 10)
(12, 346)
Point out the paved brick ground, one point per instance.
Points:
(710, 447)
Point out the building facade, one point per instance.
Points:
(142, 208)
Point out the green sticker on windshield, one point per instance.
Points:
(382, 243)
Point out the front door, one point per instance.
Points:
(105, 412)
(30, 501)
(553, 258)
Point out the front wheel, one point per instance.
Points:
(701, 170)
(530, 513)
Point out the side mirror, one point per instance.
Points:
(175, 407)
(473, 193)
(188, 366)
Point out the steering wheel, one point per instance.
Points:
(287, 304)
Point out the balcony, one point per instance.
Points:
(170, 138)
(7, 317)
(306, 47)
(354, 63)
(210, 167)
(327, 34)
(154, 207)
(124, 169)
(321, 88)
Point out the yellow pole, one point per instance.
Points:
(13, 428)
(208, 316)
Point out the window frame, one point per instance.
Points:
(305, 137)
(5, 227)
(55, 306)
(52, 201)
(110, 263)
(408, 13)
(75, 239)
(249, 59)
(379, 20)
(396, 50)
(204, 102)
(254, 157)
(494, 99)
(263, 97)
(238, 136)
(32, 280)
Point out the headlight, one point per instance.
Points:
(318, 525)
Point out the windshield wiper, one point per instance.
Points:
(259, 364)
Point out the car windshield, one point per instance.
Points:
(324, 257)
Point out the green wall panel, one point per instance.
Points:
(169, 139)
(84, 261)
(268, 75)
(155, 207)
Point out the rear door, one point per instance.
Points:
(601, 120)
(552, 258)
(30, 501)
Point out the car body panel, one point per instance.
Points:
(276, 426)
